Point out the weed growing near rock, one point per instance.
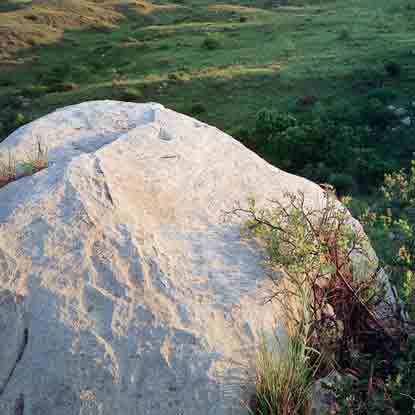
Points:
(7, 169)
(285, 375)
(11, 169)
(330, 283)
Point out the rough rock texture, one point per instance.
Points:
(138, 298)
(14, 335)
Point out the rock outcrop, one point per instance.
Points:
(124, 292)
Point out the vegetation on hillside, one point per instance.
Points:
(221, 62)
(350, 148)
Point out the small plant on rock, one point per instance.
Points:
(7, 169)
(11, 169)
(285, 375)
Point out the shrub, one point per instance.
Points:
(356, 140)
(198, 108)
(376, 386)
(314, 249)
(35, 91)
(393, 226)
(360, 391)
(6, 83)
(20, 119)
(343, 183)
(344, 35)
(269, 122)
(67, 86)
(211, 43)
(330, 296)
(318, 172)
(131, 94)
(377, 115)
(63, 87)
(56, 75)
(307, 100)
(164, 46)
(372, 77)
(384, 95)
(393, 69)
(173, 76)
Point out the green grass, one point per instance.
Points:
(270, 57)
(285, 376)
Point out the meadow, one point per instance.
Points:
(338, 62)
(220, 62)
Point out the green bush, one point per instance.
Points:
(56, 75)
(211, 43)
(20, 119)
(270, 122)
(393, 69)
(318, 172)
(392, 228)
(377, 115)
(130, 94)
(198, 108)
(384, 95)
(358, 140)
(63, 87)
(401, 383)
(35, 91)
(378, 387)
(343, 183)
(344, 35)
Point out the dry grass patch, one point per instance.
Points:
(45, 22)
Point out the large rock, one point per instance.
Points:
(138, 298)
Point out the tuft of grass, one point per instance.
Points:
(286, 371)
(38, 160)
(285, 376)
(11, 169)
(8, 169)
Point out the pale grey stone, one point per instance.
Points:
(138, 298)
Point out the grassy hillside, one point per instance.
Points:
(220, 62)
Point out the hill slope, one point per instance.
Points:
(43, 21)
(221, 62)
